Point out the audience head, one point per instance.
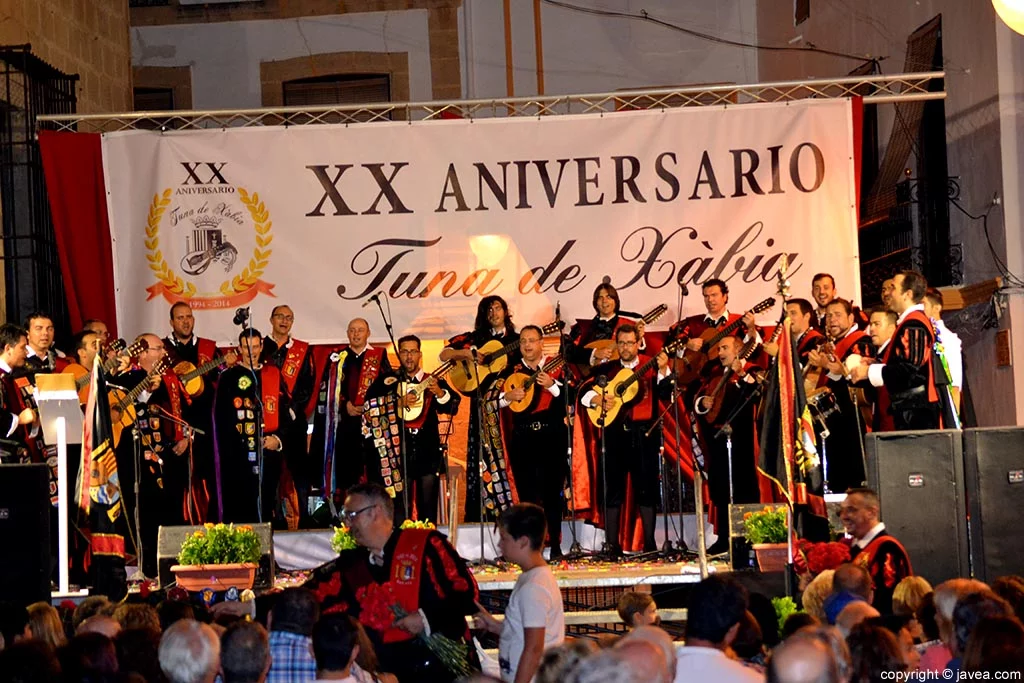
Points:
(521, 529)
(636, 609)
(138, 651)
(714, 610)
(749, 642)
(803, 658)
(46, 624)
(367, 657)
(997, 644)
(244, 653)
(908, 596)
(853, 614)
(946, 595)
(1011, 589)
(558, 661)
(604, 667)
(334, 644)
(760, 606)
(172, 611)
(87, 657)
(653, 640)
(813, 599)
(901, 626)
(927, 620)
(14, 624)
(87, 608)
(137, 615)
(100, 623)
(190, 652)
(29, 661)
(853, 578)
(796, 622)
(970, 610)
(295, 611)
(873, 651)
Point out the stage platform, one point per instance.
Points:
(587, 574)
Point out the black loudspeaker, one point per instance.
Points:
(994, 469)
(169, 542)
(25, 533)
(919, 479)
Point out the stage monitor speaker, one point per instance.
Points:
(169, 545)
(25, 533)
(919, 478)
(994, 469)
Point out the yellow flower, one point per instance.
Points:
(209, 525)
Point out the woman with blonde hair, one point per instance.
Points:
(46, 624)
(813, 599)
(908, 596)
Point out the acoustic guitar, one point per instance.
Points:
(122, 403)
(648, 318)
(528, 383)
(624, 387)
(83, 375)
(414, 409)
(693, 361)
(465, 378)
(192, 377)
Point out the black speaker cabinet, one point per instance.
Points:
(25, 533)
(994, 469)
(169, 544)
(919, 479)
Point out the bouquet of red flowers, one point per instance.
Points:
(814, 558)
(379, 610)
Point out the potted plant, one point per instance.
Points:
(219, 557)
(767, 531)
(342, 539)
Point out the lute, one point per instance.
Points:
(528, 383)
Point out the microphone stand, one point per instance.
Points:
(258, 396)
(481, 430)
(190, 433)
(673, 406)
(602, 383)
(575, 549)
(403, 377)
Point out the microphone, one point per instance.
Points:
(373, 299)
(241, 315)
(602, 381)
(558, 310)
(686, 290)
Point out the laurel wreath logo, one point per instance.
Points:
(239, 284)
(167, 277)
(260, 254)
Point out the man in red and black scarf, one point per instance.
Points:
(872, 547)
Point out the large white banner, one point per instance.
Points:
(437, 214)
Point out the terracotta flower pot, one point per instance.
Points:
(219, 577)
(771, 557)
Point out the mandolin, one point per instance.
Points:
(624, 387)
(693, 361)
(601, 344)
(83, 375)
(192, 377)
(528, 383)
(465, 378)
(415, 409)
(122, 403)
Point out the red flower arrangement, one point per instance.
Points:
(814, 558)
(377, 603)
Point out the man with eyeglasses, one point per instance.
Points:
(422, 440)
(428, 578)
(628, 447)
(294, 359)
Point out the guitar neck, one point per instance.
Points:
(551, 365)
(723, 333)
(201, 370)
(130, 397)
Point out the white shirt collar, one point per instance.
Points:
(632, 364)
(30, 352)
(5, 367)
(355, 353)
(723, 316)
(884, 344)
(875, 530)
(608, 319)
(192, 341)
(915, 307)
(853, 328)
(497, 331)
(419, 375)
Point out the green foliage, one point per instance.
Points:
(768, 526)
(783, 608)
(342, 539)
(221, 544)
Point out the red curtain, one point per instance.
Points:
(73, 165)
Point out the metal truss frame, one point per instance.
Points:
(875, 89)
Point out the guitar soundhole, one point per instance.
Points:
(620, 390)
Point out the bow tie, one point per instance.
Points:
(376, 560)
(715, 322)
(603, 324)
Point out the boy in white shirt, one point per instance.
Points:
(534, 619)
